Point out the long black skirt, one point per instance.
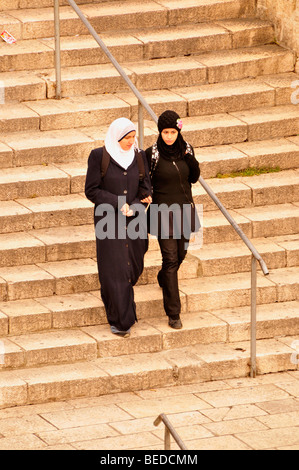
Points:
(120, 264)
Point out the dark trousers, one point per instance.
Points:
(173, 254)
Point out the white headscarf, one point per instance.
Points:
(116, 132)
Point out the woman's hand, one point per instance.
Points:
(126, 210)
(147, 200)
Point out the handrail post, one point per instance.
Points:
(112, 59)
(57, 49)
(253, 317)
(140, 125)
(167, 445)
(169, 431)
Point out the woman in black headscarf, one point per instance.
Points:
(173, 217)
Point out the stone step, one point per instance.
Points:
(30, 4)
(259, 190)
(144, 371)
(256, 222)
(38, 211)
(44, 213)
(234, 257)
(174, 74)
(233, 290)
(246, 94)
(225, 159)
(48, 348)
(148, 336)
(68, 146)
(61, 312)
(77, 275)
(42, 148)
(69, 243)
(62, 114)
(22, 86)
(33, 181)
(41, 218)
(225, 8)
(236, 127)
(7, 5)
(107, 17)
(245, 63)
(33, 23)
(72, 274)
(79, 112)
(86, 311)
(55, 231)
(205, 41)
(203, 37)
(208, 100)
(49, 189)
(41, 212)
(267, 125)
(155, 74)
(226, 279)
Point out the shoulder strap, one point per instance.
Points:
(141, 167)
(105, 162)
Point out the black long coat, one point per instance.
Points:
(120, 258)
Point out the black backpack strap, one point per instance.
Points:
(105, 162)
(141, 167)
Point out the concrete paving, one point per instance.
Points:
(232, 414)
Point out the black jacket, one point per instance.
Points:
(171, 180)
(171, 183)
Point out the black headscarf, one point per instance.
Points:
(171, 120)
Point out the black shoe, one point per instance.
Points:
(122, 334)
(175, 324)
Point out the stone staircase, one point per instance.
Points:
(219, 67)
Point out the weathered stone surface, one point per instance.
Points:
(264, 124)
(32, 182)
(14, 217)
(26, 316)
(20, 249)
(217, 66)
(6, 156)
(42, 148)
(23, 86)
(243, 63)
(59, 211)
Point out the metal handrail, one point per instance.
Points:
(169, 430)
(142, 103)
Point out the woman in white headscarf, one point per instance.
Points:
(117, 182)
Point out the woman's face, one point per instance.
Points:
(169, 136)
(127, 142)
